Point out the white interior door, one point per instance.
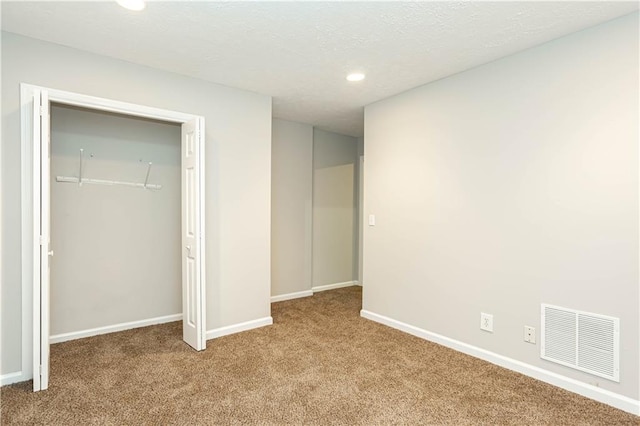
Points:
(42, 238)
(193, 298)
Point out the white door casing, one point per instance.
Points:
(35, 120)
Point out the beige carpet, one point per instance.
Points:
(320, 363)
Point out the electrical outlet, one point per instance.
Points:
(529, 334)
(486, 322)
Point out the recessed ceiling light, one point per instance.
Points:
(132, 4)
(356, 76)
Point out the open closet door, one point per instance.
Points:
(42, 240)
(193, 298)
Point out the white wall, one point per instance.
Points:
(117, 248)
(237, 177)
(291, 189)
(335, 206)
(507, 186)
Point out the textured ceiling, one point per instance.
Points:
(300, 52)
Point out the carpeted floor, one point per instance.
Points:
(320, 363)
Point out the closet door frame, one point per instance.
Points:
(35, 345)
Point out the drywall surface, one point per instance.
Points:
(237, 172)
(291, 189)
(116, 248)
(335, 206)
(507, 186)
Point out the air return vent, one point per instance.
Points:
(581, 340)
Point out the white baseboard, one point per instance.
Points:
(10, 378)
(58, 338)
(307, 293)
(601, 395)
(237, 328)
(333, 286)
(290, 296)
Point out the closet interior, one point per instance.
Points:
(115, 221)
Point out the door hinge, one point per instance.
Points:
(41, 240)
(40, 370)
(41, 110)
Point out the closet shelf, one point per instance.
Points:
(80, 180)
(70, 179)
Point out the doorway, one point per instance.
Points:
(35, 118)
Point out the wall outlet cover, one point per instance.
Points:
(486, 322)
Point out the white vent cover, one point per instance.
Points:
(581, 340)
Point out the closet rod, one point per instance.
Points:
(70, 179)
